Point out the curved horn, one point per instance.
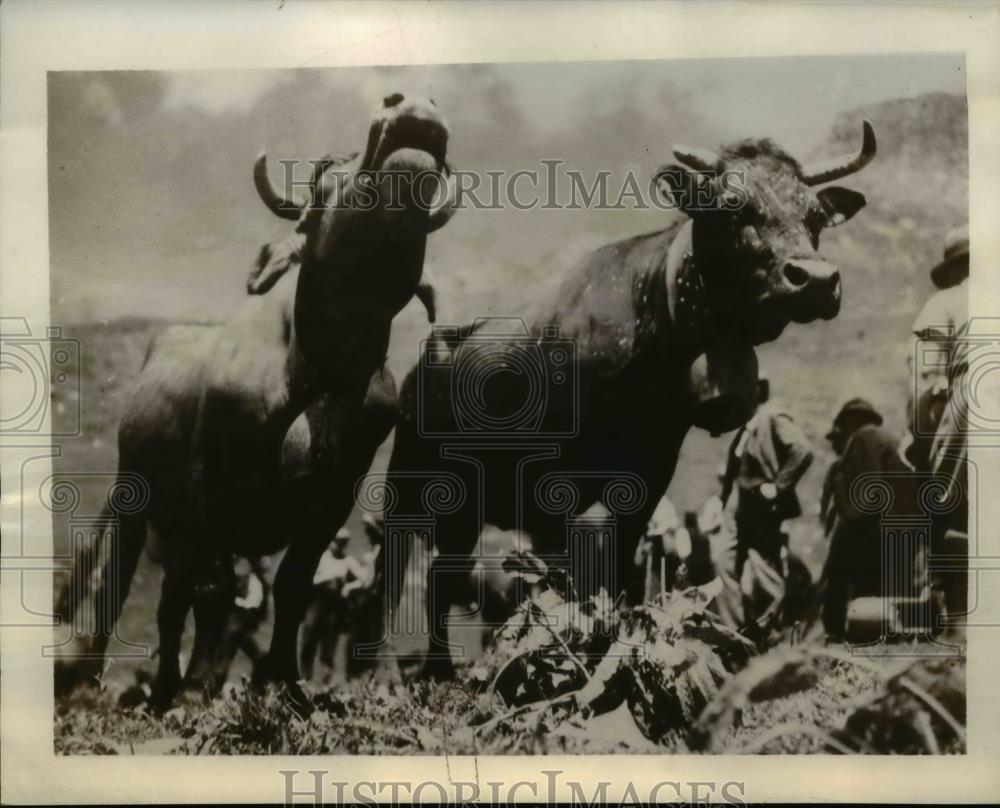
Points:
(276, 203)
(697, 158)
(837, 167)
(441, 213)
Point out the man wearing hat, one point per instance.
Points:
(938, 444)
(249, 612)
(937, 328)
(337, 574)
(766, 460)
(854, 560)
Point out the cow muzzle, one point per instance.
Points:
(406, 123)
(812, 288)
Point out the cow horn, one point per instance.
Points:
(697, 158)
(440, 214)
(837, 167)
(276, 203)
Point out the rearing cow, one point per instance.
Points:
(663, 326)
(247, 436)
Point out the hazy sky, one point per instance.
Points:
(153, 210)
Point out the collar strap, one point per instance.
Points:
(687, 298)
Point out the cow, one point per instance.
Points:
(246, 437)
(663, 326)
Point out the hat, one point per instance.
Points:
(343, 535)
(857, 409)
(954, 267)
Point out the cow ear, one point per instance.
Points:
(273, 261)
(839, 204)
(688, 191)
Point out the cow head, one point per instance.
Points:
(363, 230)
(756, 224)
(407, 142)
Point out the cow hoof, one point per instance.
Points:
(437, 669)
(70, 676)
(387, 675)
(160, 701)
(269, 671)
(164, 690)
(300, 703)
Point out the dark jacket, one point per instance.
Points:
(856, 514)
(870, 450)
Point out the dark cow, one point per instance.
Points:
(663, 327)
(247, 437)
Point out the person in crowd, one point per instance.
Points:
(656, 560)
(766, 460)
(366, 622)
(250, 609)
(672, 555)
(374, 527)
(337, 576)
(939, 350)
(854, 565)
(694, 549)
(937, 443)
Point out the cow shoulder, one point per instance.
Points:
(604, 304)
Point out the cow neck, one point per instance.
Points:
(318, 363)
(296, 373)
(306, 379)
(687, 298)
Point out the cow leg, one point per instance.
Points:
(233, 639)
(389, 600)
(629, 529)
(175, 602)
(313, 625)
(292, 594)
(447, 579)
(339, 640)
(214, 593)
(323, 505)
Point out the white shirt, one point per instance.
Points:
(254, 596)
(331, 568)
(939, 322)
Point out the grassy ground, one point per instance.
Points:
(823, 712)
